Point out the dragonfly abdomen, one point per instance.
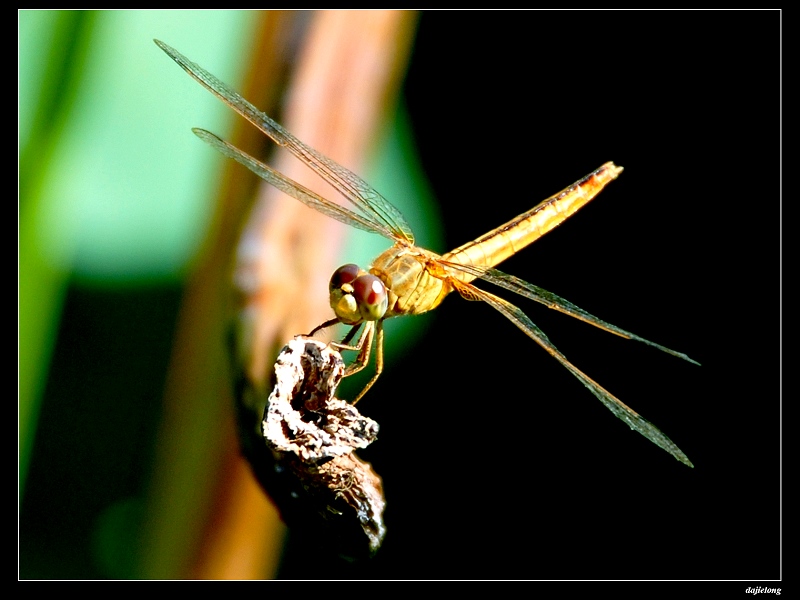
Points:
(497, 245)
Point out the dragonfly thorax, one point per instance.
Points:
(357, 296)
(413, 289)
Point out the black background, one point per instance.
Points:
(497, 463)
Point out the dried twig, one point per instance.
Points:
(308, 465)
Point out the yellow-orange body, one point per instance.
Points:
(415, 277)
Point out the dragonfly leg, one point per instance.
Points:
(363, 347)
(345, 343)
(378, 361)
(324, 325)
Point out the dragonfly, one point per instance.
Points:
(409, 280)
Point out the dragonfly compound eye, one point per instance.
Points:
(357, 296)
(371, 296)
(344, 275)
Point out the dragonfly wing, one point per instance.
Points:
(291, 187)
(374, 206)
(633, 419)
(541, 295)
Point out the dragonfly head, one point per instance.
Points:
(357, 296)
